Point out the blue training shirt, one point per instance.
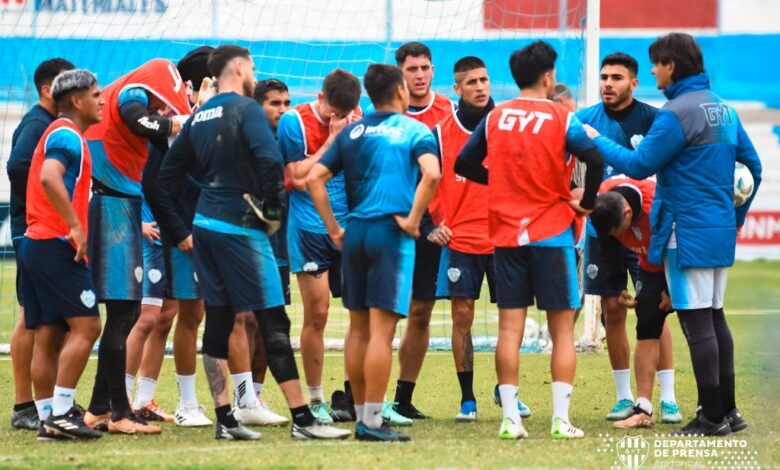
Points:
(65, 146)
(378, 156)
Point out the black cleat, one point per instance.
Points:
(70, 425)
(43, 435)
(237, 433)
(341, 407)
(701, 426)
(26, 418)
(409, 411)
(384, 434)
(736, 422)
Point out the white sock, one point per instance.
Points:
(509, 402)
(245, 397)
(666, 383)
(372, 415)
(44, 408)
(144, 393)
(63, 400)
(315, 394)
(258, 389)
(186, 389)
(623, 384)
(129, 381)
(359, 412)
(561, 398)
(645, 404)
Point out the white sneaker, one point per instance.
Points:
(564, 430)
(191, 415)
(259, 415)
(510, 430)
(319, 431)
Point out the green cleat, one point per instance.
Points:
(393, 418)
(564, 430)
(622, 410)
(670, 413)
(512, 431)
(321, 412)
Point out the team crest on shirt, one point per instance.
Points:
(87, 298)
(154, 275)
(592, 271)
(357, 131)
(139, 274)
(637, 233)
(636, 139)
(453, 274)
(310, 266)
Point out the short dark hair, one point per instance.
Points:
(467, 64)
(341, 90)
(607, 212)
(262, 87)
(48, 69)
(413, 49)
(381, 81)
(619, 58)
(194, 66)
(681, 49)
(531, 62)
(219, 57)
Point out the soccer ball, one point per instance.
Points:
(743, 184)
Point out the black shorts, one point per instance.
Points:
(16, 242)
(462, 275)
(593, 279)
(427, 256)
(650, 318)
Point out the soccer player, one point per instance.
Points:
(532, 220)
(621, 218)
(58, 290)
(304, 134)
(119, 146)
(414, 61)
(468, 257)
(23, 142)
(692, 146)
(563, 97)
(241, 198)
(626, 120)
(379, 157)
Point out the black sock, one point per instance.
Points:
(699, 331)
(727, 393)
(466, 380)
(225, 417)
(302, 416)
(347, 388)
(404, 391)
(25, 405)
(726, 359)
(711, 405)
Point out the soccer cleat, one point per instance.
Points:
(191, 415)
(238, 433)
(318, 430)
(99, 422)
(736, 422)
(321, 412)
(384, 434)
(670, 413)
(152, 412)
(467, 413)
(622, 410)
(259, 415)
(564, 430)
(638, 419)
(392, 417)
(341, 407)
(409, 411)
(512, 431)
(26, 418)
(43, 435)
(524, 410)
(701, 426)
(70, 425)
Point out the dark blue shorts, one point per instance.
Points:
(314, 253)
(284, 273)
(547, 273)
(16, 242)
(237, 270)
(594, 279)
(378, 266)
(426, 269)
(182, 280)
(461, 275)
(115, 247)
(155, 280)
(55, 286)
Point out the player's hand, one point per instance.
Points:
(666, 302)
(592, 133)
(440, 235)
(78, 237)
(337, 236)
(175, 127)
(413, 230)
(186, 245)
(207, 90)
(625, 300)
(577, 193)
(578, 209)
(336, 125)
(150, 231)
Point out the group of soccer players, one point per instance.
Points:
(209, 190)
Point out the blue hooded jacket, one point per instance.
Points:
(692, 147)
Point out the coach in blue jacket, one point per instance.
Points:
(692, 147)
